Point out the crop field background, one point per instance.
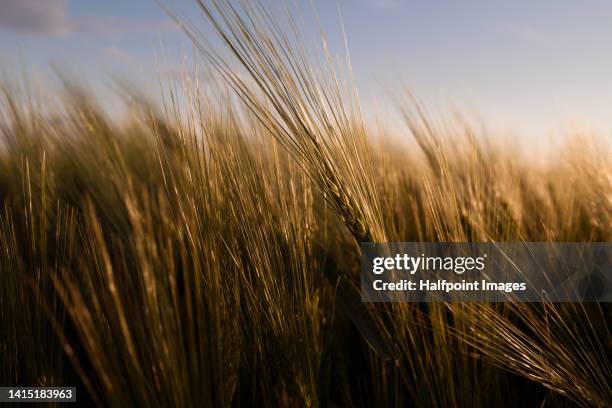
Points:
(203, 250)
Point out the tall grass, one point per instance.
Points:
(205, 253)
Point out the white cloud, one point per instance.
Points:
(52, 17)
(36, 16)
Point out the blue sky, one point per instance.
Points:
(535, 67)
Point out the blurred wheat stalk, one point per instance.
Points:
(205, 253)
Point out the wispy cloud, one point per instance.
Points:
(383, 4)
(48, 17)
(52, 18)
(119, 55)
(526, 33)
(116, 26)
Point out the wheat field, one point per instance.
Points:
(203, 250)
